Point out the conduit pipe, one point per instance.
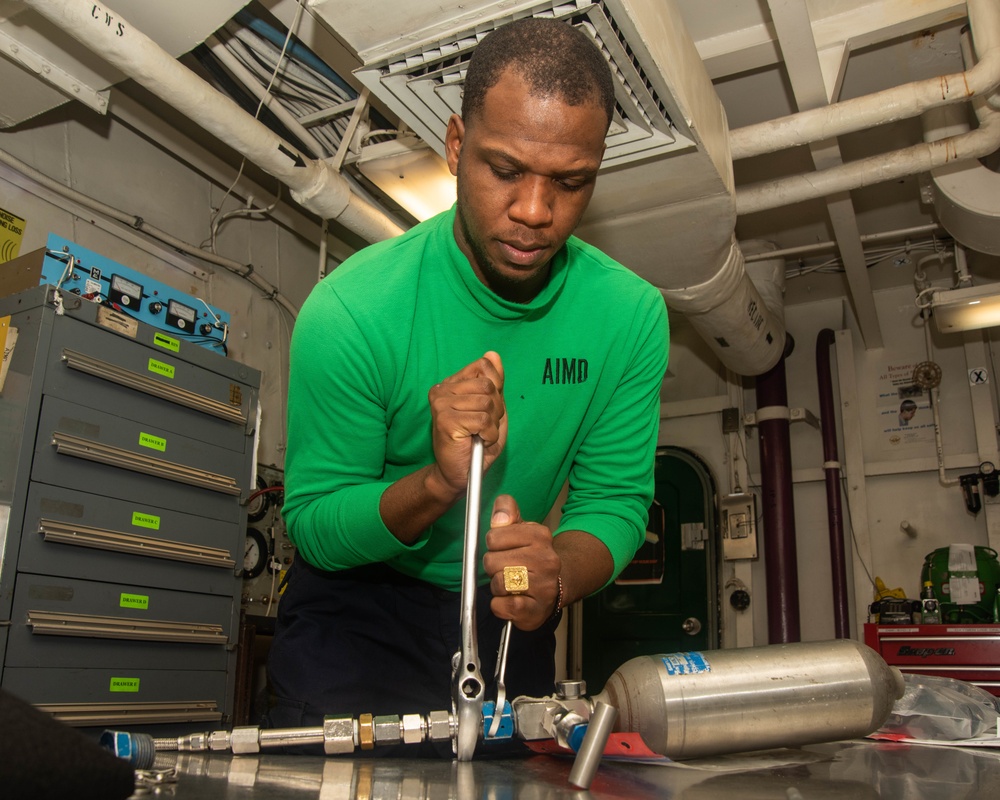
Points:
(831, 469)
(313, 184)
(245, 271)
(901, 102)
(780, 552)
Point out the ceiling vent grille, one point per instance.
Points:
(423, 84)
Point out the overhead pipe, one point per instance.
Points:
(831, 469)
(889, 105)
(879, 108)
(780, 551)
(918, 158)
(312, 183)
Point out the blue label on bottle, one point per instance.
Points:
(686, 663)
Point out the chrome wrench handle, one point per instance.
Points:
(467, 685)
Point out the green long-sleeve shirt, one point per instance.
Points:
(583, 363)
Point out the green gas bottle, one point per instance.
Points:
(986, 575)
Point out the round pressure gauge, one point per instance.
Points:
(257, 508)
(987, 468)
(255, 555)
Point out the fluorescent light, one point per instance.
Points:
(411, 173)
(966, 309)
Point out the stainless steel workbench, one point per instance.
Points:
(854, 770)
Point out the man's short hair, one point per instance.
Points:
(555, 59)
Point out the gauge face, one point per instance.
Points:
(987, 468)
(258, 506)
(125, 286)
(180, 315)
(255, 554)
(125, 292)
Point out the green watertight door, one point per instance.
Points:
(663, 602)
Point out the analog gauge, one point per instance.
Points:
(125, 292)
(181, 316)
(258, 506)
(987, 468)
(255, 555)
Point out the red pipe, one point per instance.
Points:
(780, 559)
(831, 468)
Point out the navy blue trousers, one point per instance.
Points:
(372, 640)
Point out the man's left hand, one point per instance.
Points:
(512, 542)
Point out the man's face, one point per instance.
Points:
(526, 167)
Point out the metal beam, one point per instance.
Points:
(809, 87)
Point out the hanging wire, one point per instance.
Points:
(300, 7)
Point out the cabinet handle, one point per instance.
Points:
(102, 539)
(151, 386)
(79, 447)
(92, 626)
(93, 714)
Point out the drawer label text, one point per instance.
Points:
(124, 685)
(166, 342)
(134, 601)
(152, 442)
(160, 368)
(141, 520)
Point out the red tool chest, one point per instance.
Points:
(969, 653)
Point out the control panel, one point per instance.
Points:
(99, 279)
(269, 552)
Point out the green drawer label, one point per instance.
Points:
(160, 368)
(134, 601)
(141, 520)
(166, 342)
(152, 442)
(124, 685)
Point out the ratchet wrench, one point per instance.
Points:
(467, 688)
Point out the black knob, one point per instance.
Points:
(206, 328)
(740, 599)
(155, 307)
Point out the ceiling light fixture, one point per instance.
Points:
(966, 309)
(411, 173)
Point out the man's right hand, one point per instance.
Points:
(469, 402)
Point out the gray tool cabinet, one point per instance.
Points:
(125, 454)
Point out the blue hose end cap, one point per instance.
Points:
(575, 738)
(138, 749)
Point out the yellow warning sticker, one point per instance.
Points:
(11, 233)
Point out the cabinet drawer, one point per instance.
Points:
(74, 623)
(86, 365)
(99, 697)
(80, 535)
(99, 453)
(942, 645)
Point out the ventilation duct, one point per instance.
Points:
(664, 204)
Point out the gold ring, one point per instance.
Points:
(515, 580)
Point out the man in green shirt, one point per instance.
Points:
(489, 319)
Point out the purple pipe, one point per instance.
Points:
(831, 468)
(780, 560)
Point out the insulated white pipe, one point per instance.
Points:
(875, 169)
(313, 184)
(901, 102)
